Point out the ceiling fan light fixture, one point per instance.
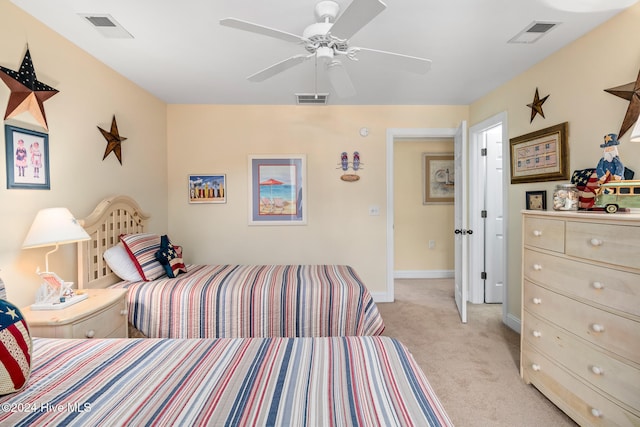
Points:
(589, 5)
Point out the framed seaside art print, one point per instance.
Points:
(27, 154)
(208, 188)
(277, 189)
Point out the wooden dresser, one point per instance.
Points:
(580, 341)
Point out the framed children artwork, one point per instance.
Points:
(208, 188)
(277, 190)
(439, 179)
(540, 156)
(27, 153)
(536, 200)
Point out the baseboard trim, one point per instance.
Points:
(381, 297)
(423, 274)
(513, 322)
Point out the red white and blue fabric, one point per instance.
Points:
(337, 381)
(170, 256)
(15, 349)
(233, 301)
(142, 248)
(586, 181)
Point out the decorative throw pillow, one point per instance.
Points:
(15, 349)
(121, 264)
(170, 256)
(142, 248)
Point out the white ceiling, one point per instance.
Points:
(181, 53)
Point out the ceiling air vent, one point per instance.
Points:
(312, 98)
(106, 25)
(533, 32)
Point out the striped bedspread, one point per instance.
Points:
(239, 301)
(323, 381)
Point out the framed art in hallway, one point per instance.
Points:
(27, 158)
(438, 178)
(208, 188)
(277, 189)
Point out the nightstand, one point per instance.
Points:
(102, 315)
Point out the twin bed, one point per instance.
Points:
(272, 346)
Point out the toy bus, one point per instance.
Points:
(618, 194)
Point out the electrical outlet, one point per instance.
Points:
(374, 210)
(432, 244)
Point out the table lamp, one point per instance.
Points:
(54, 227)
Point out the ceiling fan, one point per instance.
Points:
(328, 40)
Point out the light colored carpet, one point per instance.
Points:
(473, 367)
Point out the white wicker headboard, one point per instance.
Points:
(112, 217)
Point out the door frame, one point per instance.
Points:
(392, 135)
(475, 131)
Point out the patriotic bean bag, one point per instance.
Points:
(15, 349)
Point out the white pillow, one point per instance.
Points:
(120, 262)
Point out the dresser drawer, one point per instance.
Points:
(544, 233)
(614, 244)
(618, 379)
(619, 290)
(579, 401)
(104, 323)
(613, 333)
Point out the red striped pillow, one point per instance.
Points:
(15, 349)
(142, 248)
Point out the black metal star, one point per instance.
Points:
(114, 141)
(536, 106)
(27, 93)
(630, 92)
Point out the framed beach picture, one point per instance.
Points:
(277, 189)
(208, 188)
(439, 179)
(27, 154)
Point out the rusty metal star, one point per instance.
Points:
(27, 93)
(114, 141)
(536, 106)
(630, 92)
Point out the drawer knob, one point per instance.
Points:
(537, 334)
(596, 242)
(124, 312)
(597, 370)
(537, 267)
(537, 233)
(535, 367)
(537, 301)
(596, 327)
(596, 412)
(90, 333)
(598, 285)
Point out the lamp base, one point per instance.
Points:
(59, 305)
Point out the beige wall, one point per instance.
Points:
(575, 78)
(89, 95)
(218, 139)
(416, 223)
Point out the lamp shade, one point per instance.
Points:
(635, 133)
(589, 5)
(54, 226)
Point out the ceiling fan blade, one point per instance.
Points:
(340, 80)
(412, 64)
(278, 68)
(261, 29)
(355, 16)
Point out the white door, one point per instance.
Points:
(460, 208)
(494, 243)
